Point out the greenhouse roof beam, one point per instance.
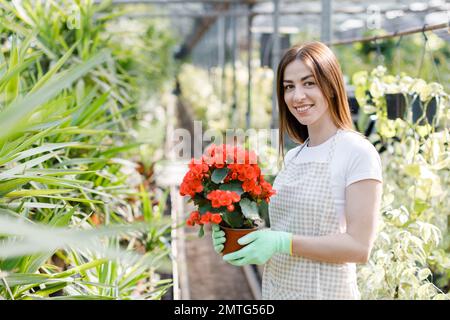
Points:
(186, 1)
(358, 2)
(244, 13)
(326, 20)
(201, 26)
(276, 48)
(394, 34)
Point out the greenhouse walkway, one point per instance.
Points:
(199, 273)
(210, 277)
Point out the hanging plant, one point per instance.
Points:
(427, 98)
(395, 105)
(411, 256)
(423, 113)
(399, 97)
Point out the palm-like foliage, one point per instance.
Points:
(64, 114)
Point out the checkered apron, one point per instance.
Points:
(304, 205)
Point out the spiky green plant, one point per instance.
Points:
(64, 113)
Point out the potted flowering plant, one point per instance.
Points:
(227, 187)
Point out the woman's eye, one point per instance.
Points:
(288, 86)
(309, 84)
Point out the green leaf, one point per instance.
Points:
(24, 143)
(13, 85)
(424, 130)
(208, 186)
(71, 183)
(249, 209)
(57, 172)
(23, 166)
(113, 151)
(33, 262)
(201, 231)
(424, 274)
(235, 186)
(420, 206)
(204, 207)
(9, 264)
(15, 71)
(35, 193)
(41, 149)
(61, 220)
(22, 14)
(73, 199)
(54, 69)
(413, 170)
(147, 210)
(386, 128)
(31, 238)
(80, 268)
(15, 279)
(18, 111)
(81, 297)
(89, 111)
(37, 205)
(219, 174)
(207, 207)
(80, 161)
(74, 130)
(10, 185)
(51, 288)
(233, 219)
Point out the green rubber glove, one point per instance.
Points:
(218, 238)
(261, 246)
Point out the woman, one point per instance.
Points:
(324, 215)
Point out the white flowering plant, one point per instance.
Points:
(411, 255)
(373, 90)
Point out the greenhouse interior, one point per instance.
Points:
(106, 104)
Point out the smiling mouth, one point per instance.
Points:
(303, 109)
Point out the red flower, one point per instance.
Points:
(221, 198)
(205, 218)
(267, 190)
(216, 218)
(190, 186)
(193, 218)
(243, 170)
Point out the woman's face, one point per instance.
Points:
(302, 94)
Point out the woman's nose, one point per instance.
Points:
(299, 95)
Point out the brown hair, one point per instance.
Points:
(327, 72)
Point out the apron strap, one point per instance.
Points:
(333, 145)
(301, 148)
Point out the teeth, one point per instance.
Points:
(303, 109)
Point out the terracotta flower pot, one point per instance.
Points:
(232, 236)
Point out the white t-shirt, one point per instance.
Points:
(354, 159)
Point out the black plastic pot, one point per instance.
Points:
(396, 105)
(418, 109)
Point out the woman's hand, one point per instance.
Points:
(260, 246)
(218, 238)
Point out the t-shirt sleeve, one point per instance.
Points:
(364, 163)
